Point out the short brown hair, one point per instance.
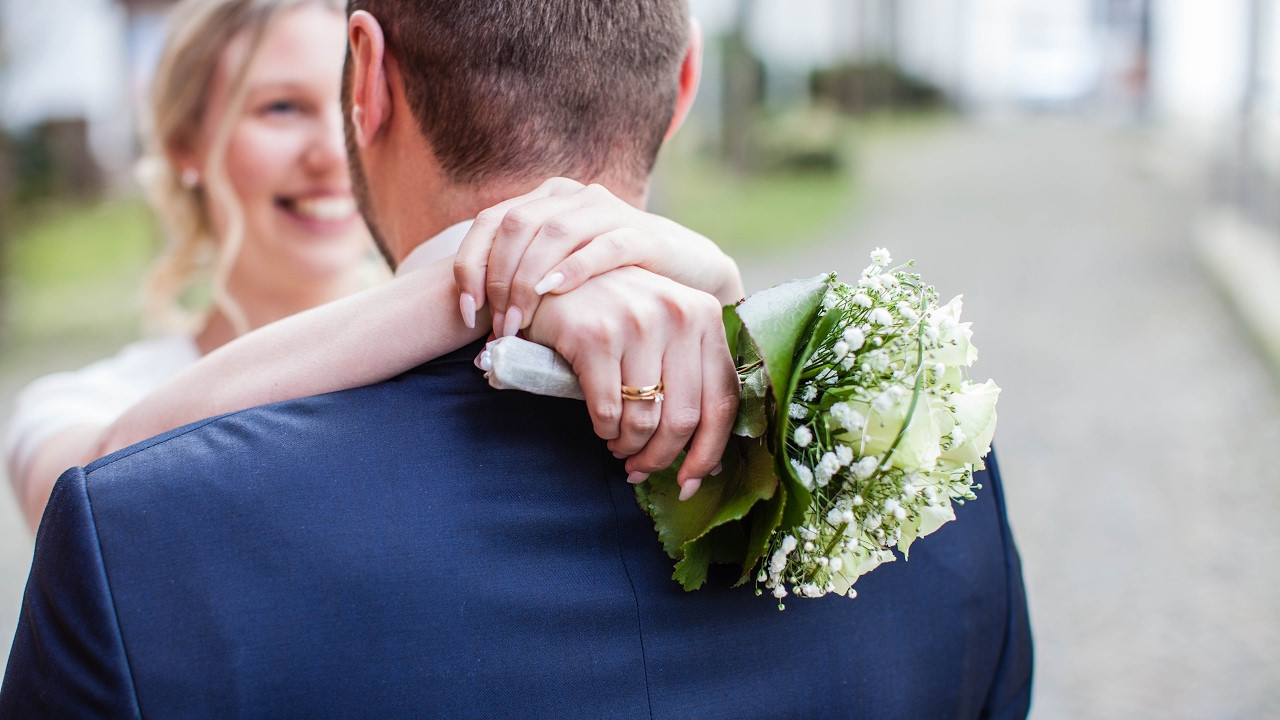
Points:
(528, 89)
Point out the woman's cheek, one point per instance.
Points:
(258, 158)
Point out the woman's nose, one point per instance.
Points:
(328, 149)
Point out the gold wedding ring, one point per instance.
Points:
(650, 392)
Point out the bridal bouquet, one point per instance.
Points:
(857, 430)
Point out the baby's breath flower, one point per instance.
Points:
(862, 300)
(881, 257)
(865, 468)
(853, 337)
(885, 400)
(798, 411)
(840, 349)
(803, 436)
(846, 417)
(804, 473)
(828, 466)
(844, 455)
(810, 392)
(880, 316)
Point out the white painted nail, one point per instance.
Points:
(690, 488)
(485, 361)
(718, 469)
(467, 303)
(511, 324)
(549, 283)
(637, 477)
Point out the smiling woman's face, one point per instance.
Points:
(286, 160)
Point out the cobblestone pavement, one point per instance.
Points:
(1139, 434)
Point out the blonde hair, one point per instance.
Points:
(198, 34)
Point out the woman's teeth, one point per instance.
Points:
(325, 209)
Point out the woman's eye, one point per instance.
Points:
(280, 107)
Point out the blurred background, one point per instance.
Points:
(1097, 176)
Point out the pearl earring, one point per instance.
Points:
(190, 178)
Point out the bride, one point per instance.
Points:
(247, 170)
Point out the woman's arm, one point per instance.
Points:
(358, 340)
(362, 339)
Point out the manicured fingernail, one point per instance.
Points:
(690, 487)
(511, 325)
(549, 283)
(484, 361)
(620, 456)
(637, 477)
(718, 469)
(498, 319)
(467, 302)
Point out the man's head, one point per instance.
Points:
(497, 95)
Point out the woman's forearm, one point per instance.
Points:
(365, 338)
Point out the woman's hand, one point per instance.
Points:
(555, 238)
(632, 327)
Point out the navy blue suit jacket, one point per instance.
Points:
(429, 547)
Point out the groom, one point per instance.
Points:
(429, 547)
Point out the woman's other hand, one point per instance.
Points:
(633, 327)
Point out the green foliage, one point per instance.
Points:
(75, 270)
(732, 517)
(688, 529)
(749, 214)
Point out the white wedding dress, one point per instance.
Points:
(94, 395)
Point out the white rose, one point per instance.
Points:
(975, 415)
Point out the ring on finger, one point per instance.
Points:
(649, 392)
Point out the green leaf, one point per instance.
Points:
(732, 326)
(798, 498)
(763, 520)
(746, 479)
(776, 320)
(753, 419)
(691, 571)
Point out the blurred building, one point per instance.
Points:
(1197, 67)
(71, 75)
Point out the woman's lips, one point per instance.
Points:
(322, 209)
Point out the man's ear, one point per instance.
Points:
(690, 72)
(370, 94)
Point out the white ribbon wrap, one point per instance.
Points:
(511, 363)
